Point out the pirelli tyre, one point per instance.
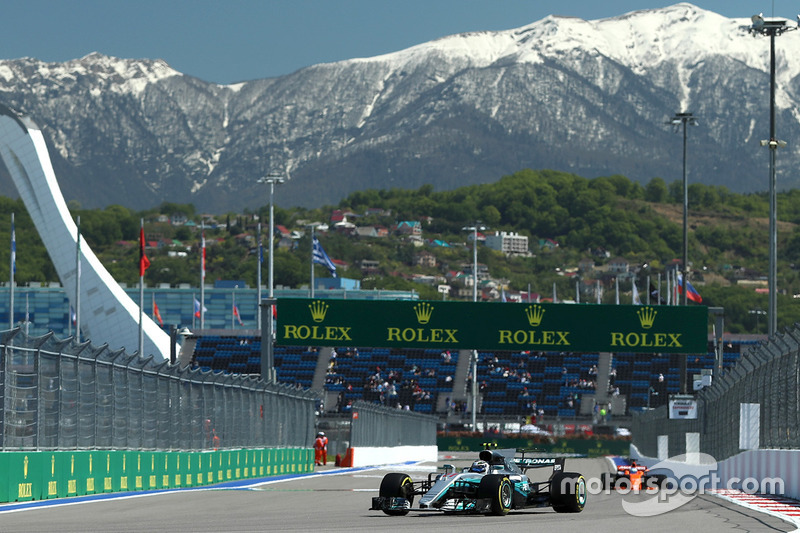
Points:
(396, 485)
(498, 490)
(568, 492)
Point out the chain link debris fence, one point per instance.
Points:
(767, 375)
(58, 394)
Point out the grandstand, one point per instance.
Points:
(555, 385)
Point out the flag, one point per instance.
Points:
(13, 248)
(635, 295)
(156, 313)
(236, 315)
(319, 256)
(72, 315)
(655, 295)
(503, 295)
(691, 292)
(203, 257)
(197, 308)
(144, 262)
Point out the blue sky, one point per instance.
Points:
(226, 41)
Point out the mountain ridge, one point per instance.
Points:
(589, 97)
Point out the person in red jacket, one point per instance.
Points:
(321, 449)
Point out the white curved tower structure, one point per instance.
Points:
(108, 314)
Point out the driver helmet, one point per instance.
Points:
(479, 466)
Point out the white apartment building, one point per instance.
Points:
(508, 243)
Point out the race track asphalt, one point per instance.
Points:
(335, 499)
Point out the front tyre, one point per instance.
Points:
(568, 492)
(396, 485)
(498, 490)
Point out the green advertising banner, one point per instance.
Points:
(493, 326)
(587, 447)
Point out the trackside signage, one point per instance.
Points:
(492, 326)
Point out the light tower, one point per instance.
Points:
(772, 27)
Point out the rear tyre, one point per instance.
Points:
(396, 485)
(568, 492)
(498, 490)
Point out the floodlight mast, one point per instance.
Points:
(772, 27)
(268, 334)
(474, 229)
(686, 119)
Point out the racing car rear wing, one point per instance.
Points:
(539, 462)
(524, 463)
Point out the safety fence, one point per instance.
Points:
(373, 425)
(767, 377)
(38, 475)
(377, 425)
(60, 395)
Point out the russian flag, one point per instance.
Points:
(691, 292)
(197, 308)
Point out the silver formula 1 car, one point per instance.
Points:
(495, 484)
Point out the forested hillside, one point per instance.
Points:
(569, 220)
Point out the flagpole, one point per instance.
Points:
(77, 283)
(141, 290)
(258, 276)
(616, 284)
(312, 260)
(13, 268)
(658, 300)
(202, 274)
(27, 313)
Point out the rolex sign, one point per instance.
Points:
(492, 326)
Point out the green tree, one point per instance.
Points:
(656, 191)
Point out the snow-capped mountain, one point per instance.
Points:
(589, 97)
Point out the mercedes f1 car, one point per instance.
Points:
(630, 475)
(495, 484)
